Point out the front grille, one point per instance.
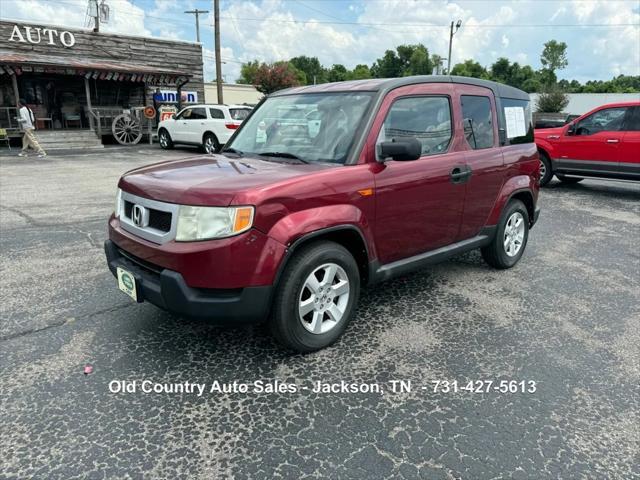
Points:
(128, 206)
(158, 219)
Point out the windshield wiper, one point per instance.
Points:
(283, 155)
(233, 150)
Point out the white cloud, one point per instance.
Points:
(270, 30)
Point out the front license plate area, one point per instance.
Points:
(127, 283)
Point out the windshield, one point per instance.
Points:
(317, 127)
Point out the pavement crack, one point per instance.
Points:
(72, 228)
(66, 321)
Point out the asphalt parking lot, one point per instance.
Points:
(566, 317)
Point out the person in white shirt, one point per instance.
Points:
(27, 119)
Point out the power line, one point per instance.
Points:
(478, 25)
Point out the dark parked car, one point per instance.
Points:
(603, 143)
(392, 175)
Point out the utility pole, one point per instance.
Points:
(96, 29)
(452, 32)
(197, 13)
(216, 21)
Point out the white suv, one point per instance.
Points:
(209, 126)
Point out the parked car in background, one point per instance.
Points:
(604, 142)
(326, 188)
(209, 126)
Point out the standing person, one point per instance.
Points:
(27, 119)
(157, 103)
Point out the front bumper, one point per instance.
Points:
(167, 289)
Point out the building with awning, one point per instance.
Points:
(80, 79)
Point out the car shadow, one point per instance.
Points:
(619, 190)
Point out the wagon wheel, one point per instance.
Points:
(126, 129)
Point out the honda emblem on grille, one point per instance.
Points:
(140, 216)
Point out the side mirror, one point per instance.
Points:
(401, 149)
(572, 129)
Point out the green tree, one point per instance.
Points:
(248, 72)
(552, 100)
(311, 67)
(360, 72)
(337, 73)
(388, 66)
(405, 60)
(470, 68)
(554, 56)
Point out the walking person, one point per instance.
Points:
(27, 119)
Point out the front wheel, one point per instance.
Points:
(568, 180)
(210, 143)
(165, 140)
(316, 298)
(511, 237)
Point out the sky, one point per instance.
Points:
(603, 36)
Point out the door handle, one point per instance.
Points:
(612, 140)
(460, 174)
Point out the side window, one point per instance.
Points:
(605, 120)
(216, 113)
(517, 121)
(184, 114)
(197, 114)
(478, 121)
(426, 118)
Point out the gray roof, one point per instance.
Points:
(386, 84)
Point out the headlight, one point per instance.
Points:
(201, 223)
(118, 206)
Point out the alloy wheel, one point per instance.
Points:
(324, 298)
(514, 234)
(543, 170)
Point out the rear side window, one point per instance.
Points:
(216, 113)
(426, 118)
(239, 113)
(515, 112)
(478, 121)
(633, 124)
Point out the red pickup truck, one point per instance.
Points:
(289, 221)
(604, 143)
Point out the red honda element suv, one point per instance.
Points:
(325, 189)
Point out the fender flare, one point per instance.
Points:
(510, 190)
(309, 236)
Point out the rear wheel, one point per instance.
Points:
(210, 143)
(568, 180)
(165, 139)
(316, 298)
(545, 169)
(511, 237)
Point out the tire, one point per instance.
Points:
(568, 180)
(546, 172)
(165, 140)
(500, 254)
(210, 143)
(293, 328)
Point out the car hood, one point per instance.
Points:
(543, 133)
(210, 180)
